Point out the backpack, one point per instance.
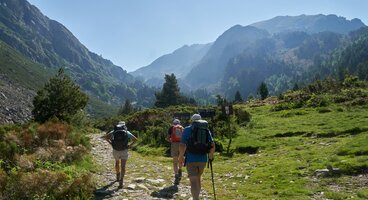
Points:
(199, 140)
(119, 139)
(176, 132)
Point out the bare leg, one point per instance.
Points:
(195, 186)
(175, 165)
(117, 170)
(122, 171)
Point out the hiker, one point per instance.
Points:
(119, 139)
(196, 156)
(174, 134)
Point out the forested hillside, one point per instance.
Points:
(51, 45)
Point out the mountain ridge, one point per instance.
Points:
(178, 62)
(295, 42)
(48, 42)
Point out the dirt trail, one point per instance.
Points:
(145, 179)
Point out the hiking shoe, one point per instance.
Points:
(120, 184)
(177, 179)
(118, 177)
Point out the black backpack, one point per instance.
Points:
(199, 140)
(119, 138)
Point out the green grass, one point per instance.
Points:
(21, 70)
(292, 145)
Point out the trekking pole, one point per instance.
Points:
(213, 180)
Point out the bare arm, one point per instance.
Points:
(134, 140)
(212, 151)
(168, 135)
(107, 137)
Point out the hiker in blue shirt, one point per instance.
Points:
(195, 162)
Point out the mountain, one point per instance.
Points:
(49, 44)
(232, 42)
(277, 51)
(310, 24)
(179, 62)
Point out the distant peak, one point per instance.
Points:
(310, 23)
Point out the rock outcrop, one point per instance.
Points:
(15, 102)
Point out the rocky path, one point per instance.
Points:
(145, 178)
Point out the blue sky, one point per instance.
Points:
(133, 33)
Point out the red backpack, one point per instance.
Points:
(177, 131)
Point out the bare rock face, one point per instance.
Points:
(15, 102)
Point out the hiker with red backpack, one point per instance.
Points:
(174, 134)
(198, 147)
(119, 140)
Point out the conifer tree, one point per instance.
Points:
(238, 97)
(263, 90)
(170, 93)
(60, 98)
(126, 108)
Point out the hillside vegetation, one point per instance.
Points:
(308, 143)
(45, 161)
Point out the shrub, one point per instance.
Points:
(154, 135)
(247, 149)
(242, 116)
(324, 110)
(81, 188)
(8, 149)
(53, 130)
(318, 101)
(219, 146)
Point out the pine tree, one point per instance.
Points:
(170, 93)
(263, 90)
(126, 108)
(238, 97)
(60, 98)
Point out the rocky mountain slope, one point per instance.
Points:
(46, 45)
(16, 102)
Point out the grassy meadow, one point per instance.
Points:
(292, 145)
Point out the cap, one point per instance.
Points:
(122, 123)
(196, 117)
(176, 121)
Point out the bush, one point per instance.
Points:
(154, 135)
(247, 149)
(242, 116)
(318, 101)
(45, 184)
(53, 130)
(324, 110)
(282, 106)
(219, 147)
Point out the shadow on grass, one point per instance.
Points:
(103, 192)
(166, 193)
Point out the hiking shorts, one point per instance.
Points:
(120, 155)
(175, 149)
(195, 168)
